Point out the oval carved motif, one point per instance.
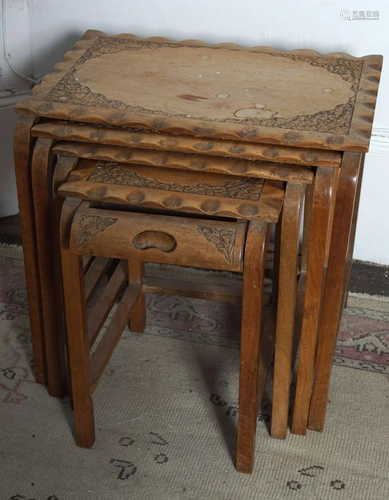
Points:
(155, 239)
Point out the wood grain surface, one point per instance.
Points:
(250, 347)
(286, 308)
(43, 164)
(318, 234)
(77, 333)
(23, 149)
(181, 241)
(183, 161)
(332, 306)
(160, 141)
(179, 191)
(297, 98)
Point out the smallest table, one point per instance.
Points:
(108, 224)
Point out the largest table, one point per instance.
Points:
(298, 107)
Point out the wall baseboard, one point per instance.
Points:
(379, 141)
(9, 99)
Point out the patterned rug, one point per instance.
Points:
(166, 412)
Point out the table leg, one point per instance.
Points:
(136, 274)
(64, 166)
(77, 330)
(334, 287)
(253, 276)
(320, 223)
(23, 147)
(43, 164)
(353, 232)
(286, 306)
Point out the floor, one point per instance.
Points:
(166, 412)
(10, 231)
(365, 277)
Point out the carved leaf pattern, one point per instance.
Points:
(90, 225)
(112, 173)
(337, 120)
(224, 240)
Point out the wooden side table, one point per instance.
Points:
(90, 228)
(218, 100)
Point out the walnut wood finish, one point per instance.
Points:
(318, 117)
(267, 347)
(332, 299)
(86, 372)
(254, 265)
(204, 291)
(350, 251)
(308, 203)
(218, 244)
(106, 301)
(287, 292)
(160, 240)
(332, 212)
(77, 333)
(185, 144)
(42, 178)
(23, 147)
(112, 334)
(191, 88)
(93, 276)
(319, 228)
(183, 161)
(136, 275)
(62, 169)
(191, 192)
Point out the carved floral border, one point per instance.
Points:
(90, 225)
(337, 120)
(248, 188)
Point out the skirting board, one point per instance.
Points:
(379, 141)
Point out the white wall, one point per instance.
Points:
(284, 24)
(16, 21)
(56, 24)
(8, 197)
(19, 46)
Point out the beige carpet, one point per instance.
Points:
(166, 413)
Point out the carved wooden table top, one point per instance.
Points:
(298, 98)
(182, 191)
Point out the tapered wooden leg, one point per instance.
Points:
(77, 333)
(332, 213)
(136, 274)
(350, 251)
(43, 163)
(308, 201)
(64, 166)
(332, 299)
(320, 222)
(276, 262)
(254, 269)
(23, 147)
(286, 307)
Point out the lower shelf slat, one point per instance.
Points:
(106, 301)
(112, 334)
(95, 274)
